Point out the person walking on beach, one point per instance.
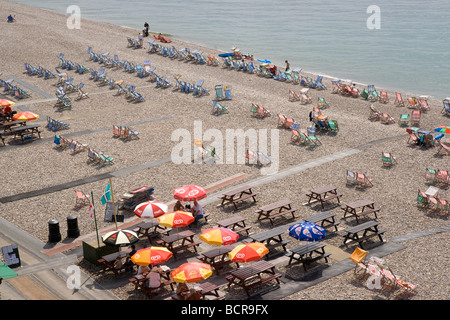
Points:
(145, 31)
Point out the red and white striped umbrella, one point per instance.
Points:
(189, 193)
(150, 209)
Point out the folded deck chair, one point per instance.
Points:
(404, 119)
(388, 159)
(386, 119)
(350, 177)
(363, 180)
(446, 109)
(81, 198)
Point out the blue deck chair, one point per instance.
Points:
(446, 109)
(219, 92)
(227, 91)
(218, 108)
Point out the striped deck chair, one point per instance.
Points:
(423, 104)
(363, 181)
(399, 102)
(387, 119)
(388, 159)
(81, 198)
(250, 157)
(374, 115)
(384, 97)
(446, 109)
(413, 103)
(442, 177)
(443, 148)
(404, 120)
(304, 97)
(413, 139)
(350, 177)
(415, 118)
(293, 96)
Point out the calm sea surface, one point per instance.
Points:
(409, 52)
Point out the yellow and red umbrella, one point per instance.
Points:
(248, 252)
(152, 209)
(189, 193)
(25, 116)
(219, 236)
(6, 103)
(151, 255)
(191, 272)
(176, 219)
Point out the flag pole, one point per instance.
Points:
(95, 219)
(112, 198)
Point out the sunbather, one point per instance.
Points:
(11, 18)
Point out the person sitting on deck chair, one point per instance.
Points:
(11, 18)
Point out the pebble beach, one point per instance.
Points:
(39, 36)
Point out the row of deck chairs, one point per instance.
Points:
(377, 267)
(302, 136)
(99, 158)
(383, 117)
(446, 109)
(412, 120)
(424, 140)
(420, 103)
(303, 96)
(39, 71)
(229, 62)
(134, 43)
(313, 84)
(358, 178)
(432, 202)
(130, 93)
(218, 108)
(259, 111)
(345, 88)
(69, 65)
(64, 101)
(14, 90)
(74, 145)
(125, 133)
(56, 125)
(437, 176)
(257, 157)
(187, 87)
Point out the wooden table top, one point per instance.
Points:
(275, 205)
(230, 221)
(323, 189)
(178, 236)
(254, 269)
(362, 226)
(237, 190)
(359, 203)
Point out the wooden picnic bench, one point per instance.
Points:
(281, 207)
(308, 253)
(210, 291)
(272, 239)
(238, 195)
(23, 131)
(151, 229)
(369, 229)
(360, 208)
(107, 262)
(187, 241)
(217, 258)
(245, 277)
(325, 219)
(235, 223)
(323, 195)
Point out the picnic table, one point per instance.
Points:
(280, 207)
(7, 125)
(360, 208)
(107, 261)
(209, 289)
(151, 229)
(139, 280)
(235, 223)
(217, 257)
(369, 229)
(323, 194)
(325, 219)
(272, 239)
(308, 253)
(245, 277)
(187, 241)
(23, 131)
(238, 195)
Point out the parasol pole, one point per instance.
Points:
(112, 198)
(95, 219)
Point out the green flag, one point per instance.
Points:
(106, 195)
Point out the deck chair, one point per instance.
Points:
(387, 119)
(81, 198)
(310, 135)
(423, 104)
(384, 97)
(413, 103)
(372, 93)
(422, 198)
(296, 75)
(388, 159)
(404, 120)
(296, 137)
(251, 157)
(104, 159)
(374, 115)
(446, 109)
(293, 96)
(359, 258)
(333, 125)
(442, 206)
(227, 92)
(399, 102)
(413, 139)
(442, 177)
(219, 92)
(363, 180)
(81, 93)
(304, 97)
(262, 159)
(218, 108)
(415, 118)
(444, 148)
(350, 177)
(322, 103)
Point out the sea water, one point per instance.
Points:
(398, 45)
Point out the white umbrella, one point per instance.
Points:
(120, 238)
(150, 209)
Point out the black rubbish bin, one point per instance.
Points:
(72, 227)
(53, 231)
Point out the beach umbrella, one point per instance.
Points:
(6, 103)
(176, 219)
(151, 255)
(150, 209)
(443, 129)
(219, 236)
(307, 231)
(264, 61)
(191, 272)
(248, 252)
(189, 193)
(120, 238)
(25, 116)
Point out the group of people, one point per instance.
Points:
(196, 210)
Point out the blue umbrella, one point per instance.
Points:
(264, 61)
(307, 231)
